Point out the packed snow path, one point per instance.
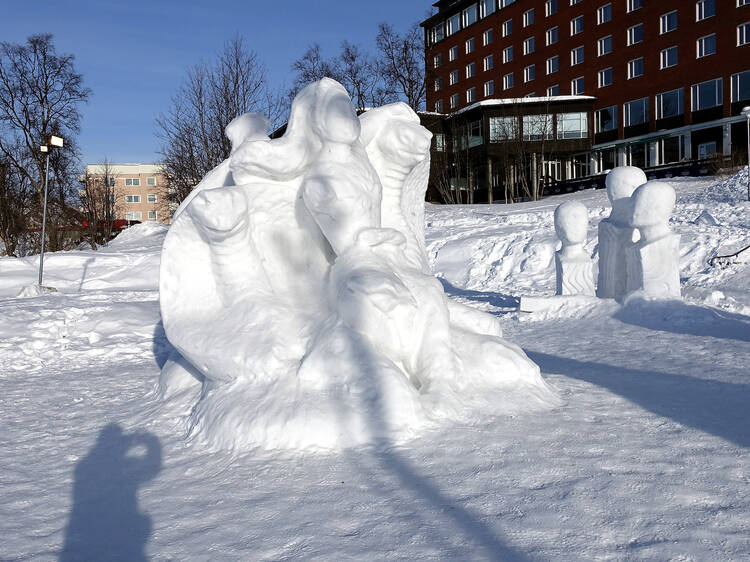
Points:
(648, 458)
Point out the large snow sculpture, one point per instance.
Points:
(616, 234)
(573, 266)
(297, 284)
(653, 263)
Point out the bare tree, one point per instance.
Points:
(99, 203)
(192, 130)
(401, 60)
(40, 95)
(311, 67)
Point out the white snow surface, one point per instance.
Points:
(646, 459)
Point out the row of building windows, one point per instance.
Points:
(704, 9)
(134, 182)
(704, 95)
(151, 198)
(138, 215)
(705, 45)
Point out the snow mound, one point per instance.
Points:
(140, 236)
(731, 190)
(297, 286)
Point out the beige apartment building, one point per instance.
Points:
(140, 190)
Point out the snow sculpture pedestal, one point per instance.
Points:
(573, 265)
(653, 263)
(616, 235)
(296, 287)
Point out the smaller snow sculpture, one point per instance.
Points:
(615, 232)
(572, 263)
(653, 263)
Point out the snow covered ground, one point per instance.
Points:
(647, 458)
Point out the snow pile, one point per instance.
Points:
(296, 287)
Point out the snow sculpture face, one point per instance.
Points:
(571, 223)
(399, 136)
(220, 212)
(653, 203)
(621, 182)
(336, 120)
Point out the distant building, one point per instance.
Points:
(667, 79)
(140, 190)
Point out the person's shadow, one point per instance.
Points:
(105, 523)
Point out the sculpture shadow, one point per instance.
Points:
(161, 347)
(498, 300)
(714, 407)
(105, 522)
(678, 317)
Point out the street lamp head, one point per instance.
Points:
(58, 141)
(44, 148)
(746, 111)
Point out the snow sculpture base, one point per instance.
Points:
(614, 244)
(654, 268)
(295, 283)
(575, 275)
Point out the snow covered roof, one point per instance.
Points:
(117, 169)
(514, 101)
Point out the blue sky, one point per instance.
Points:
(133, 53)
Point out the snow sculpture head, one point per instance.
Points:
(653, 203)
(621, 182)
(571, 225)
(247, 127)
(396, 132)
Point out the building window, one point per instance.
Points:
(439, 106)
(439, 142)
(704, 9)
(508, 54)
(503, 128)
(668, 22)
(576, 56)
(508, 81)
(487, 37)
(489, 88)
(133, 216)
(453, 25)
(151, 181)
(437, 33)
(605, 77)
(574, 2)
(528, 46)
(132, 181)
(471, 70)
(454, 101)
(706, 150)
(529, 73)
(550, 7)
(152, 215)
(576, 86)
(741, 3)
(636, 112)
(132, 199)
(705, 46)
(469, 46)
(573, 125)
(670, 104)
(437, 60)
(635, 34)
(576, 25)
(470, 15)
(471, 95)
(635, 68)
(528, 17)
(604, 14)
(151, 197)
(537, 127)
(507, 27)
(438, 84)
(741, 86)
(634, 5)
(486, 7)
(109, 181)
(605, 119)
(453, 77)
(668, 57)
(553, 90)
(605, 45)
(551, 36)
(707, 94)
(553, 64)
(743, 33)
(453, 53)
(488, 63)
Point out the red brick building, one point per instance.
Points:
(669, 78)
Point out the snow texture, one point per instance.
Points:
(573, 266)
(296, 286)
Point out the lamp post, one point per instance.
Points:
(746, 113)
(45, 148)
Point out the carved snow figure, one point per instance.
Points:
(615, 233)
(573, 265)
(653, 263)
(303, 297)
